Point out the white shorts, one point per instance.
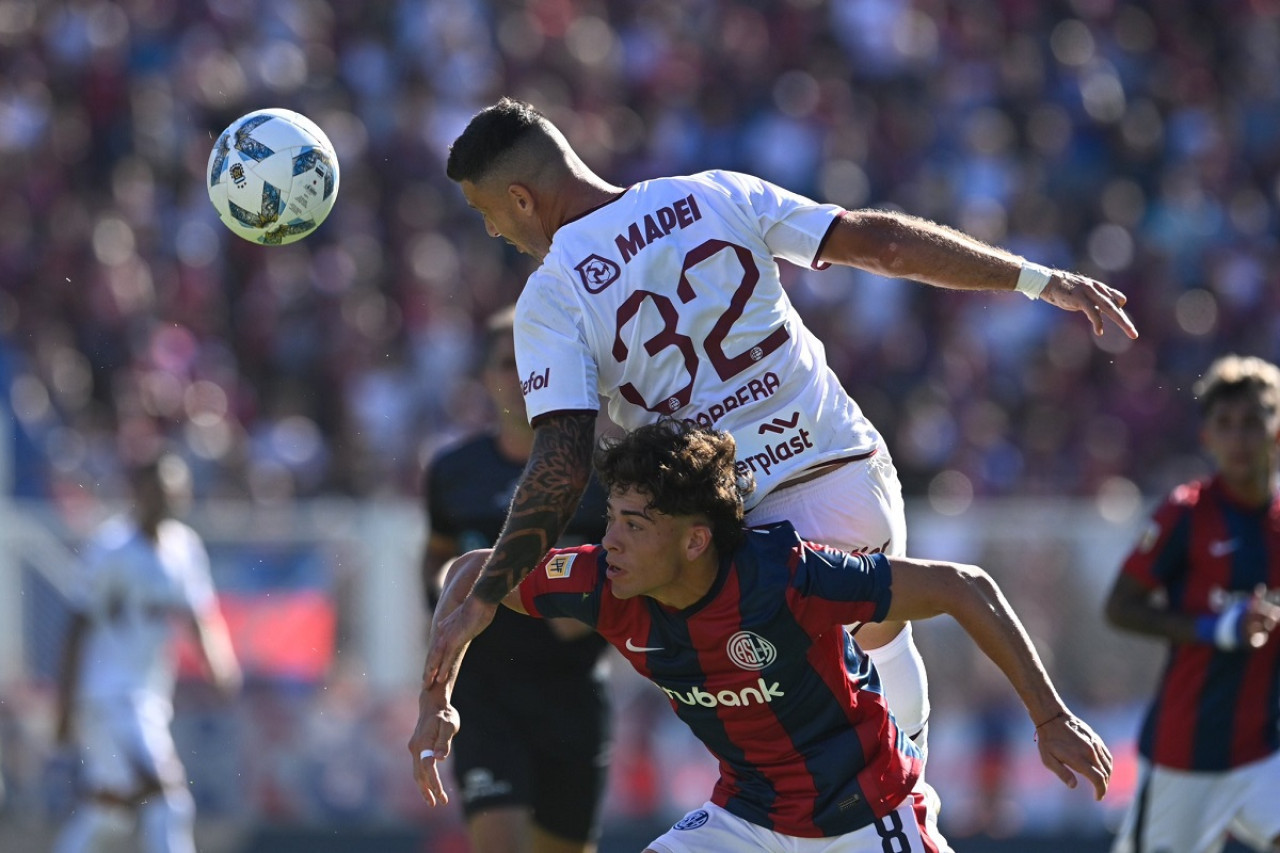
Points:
(711, 829)
(126, 745)
(856, 507)
(1188, 812)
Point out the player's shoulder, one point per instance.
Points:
(113, 534)
(464, 453)
(1189, 494)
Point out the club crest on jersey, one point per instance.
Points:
(693, 820)
(750, 651)
(597, 273)
(560, 565)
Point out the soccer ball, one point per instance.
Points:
(273, 176)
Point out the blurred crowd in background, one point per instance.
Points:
(1137, 142)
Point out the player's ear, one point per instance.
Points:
(522, 197)
(699, 541)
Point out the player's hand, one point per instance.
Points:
(438, 722)
(1259, 620)
(1068, 744)
(450, 637)
(1074, 292)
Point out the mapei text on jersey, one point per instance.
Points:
(657, 225)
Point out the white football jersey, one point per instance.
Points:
(667, 301)
(131, 591)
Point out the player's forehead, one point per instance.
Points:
(1240, 405)
(628, 500)
(480, 195)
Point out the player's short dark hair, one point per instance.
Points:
(492, 133)
(685, 469)
(1233, 376)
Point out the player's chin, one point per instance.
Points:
(618, 585)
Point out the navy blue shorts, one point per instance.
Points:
(543, 745)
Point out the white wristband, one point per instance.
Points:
(1033, 279)
(1226, 634)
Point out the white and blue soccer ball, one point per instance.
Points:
(273, 176)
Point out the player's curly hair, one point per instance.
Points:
(493, 133)
(1234, 375)
(685, 469)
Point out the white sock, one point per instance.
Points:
(90, 826)
(905, 683)
(168, 823)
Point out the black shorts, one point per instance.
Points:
(541, 745)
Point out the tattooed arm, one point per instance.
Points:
(546, 498)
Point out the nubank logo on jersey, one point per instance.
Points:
(750, 651)
(597, 273)
(656, 225)
(535, 382)
(761, 694)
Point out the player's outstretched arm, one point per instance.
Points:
(1245, 624)
(900, 246)
(923, 589)
(69, 674)
(438, 720)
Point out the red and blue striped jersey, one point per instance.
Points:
(1213, 709)
(764, 673)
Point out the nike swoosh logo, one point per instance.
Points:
(1223, 547)
(632, 647)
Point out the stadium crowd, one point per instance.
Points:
(1135, 142)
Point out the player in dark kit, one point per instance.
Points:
(742, 628)
(531, 764)
(1206, 577)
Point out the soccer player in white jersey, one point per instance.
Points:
(144, 574)
(665, 298)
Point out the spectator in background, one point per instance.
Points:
(532, 761)
(144, 573)
(1205, 578)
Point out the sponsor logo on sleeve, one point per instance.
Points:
(693, 820)
(559, 566)
(536, 381)
(597, 273)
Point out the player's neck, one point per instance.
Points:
(694, 582)
(1250, 491)
(515, 441)
(581, 194)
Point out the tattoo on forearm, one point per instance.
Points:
(546, 498)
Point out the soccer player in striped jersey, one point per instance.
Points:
(665, 298)
(743, 629)
(1205, 577)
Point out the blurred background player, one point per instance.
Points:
(1206, 577)
(742, 629)
(144, 574)
(666, 298)
(531, 763)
